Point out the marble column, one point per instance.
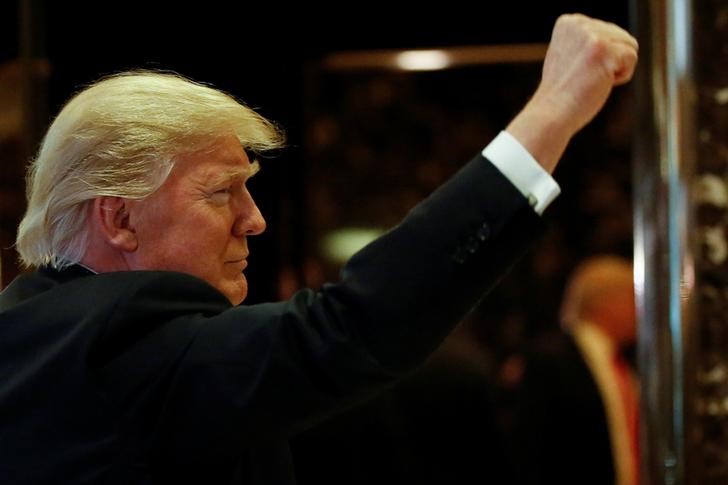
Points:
(707, 437)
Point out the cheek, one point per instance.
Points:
(199, 238)
(193, 241)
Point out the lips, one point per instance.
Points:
(241, 263)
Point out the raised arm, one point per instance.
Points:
(585, 60)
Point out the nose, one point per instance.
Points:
(256, 223)
(249, 221)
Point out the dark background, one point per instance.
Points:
(260, 54)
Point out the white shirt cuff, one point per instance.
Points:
(518, 166)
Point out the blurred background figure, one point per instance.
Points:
(576, 412)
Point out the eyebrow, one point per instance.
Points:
(233, 174)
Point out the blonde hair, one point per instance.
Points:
(594, 280)
(119, 137)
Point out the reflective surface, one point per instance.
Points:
(663, 251)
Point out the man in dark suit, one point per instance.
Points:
(125, 358)
(577, 414)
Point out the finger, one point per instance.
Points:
(620, 49)
(626, 66)
(611, 32)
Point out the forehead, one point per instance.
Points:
(223, 159)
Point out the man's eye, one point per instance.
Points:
(221, 195)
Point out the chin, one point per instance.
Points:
(234, 287)
(236, 293)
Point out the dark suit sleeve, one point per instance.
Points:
(217, 376)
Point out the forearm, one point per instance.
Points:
(419, 280)
(585, 60)
(542, 133)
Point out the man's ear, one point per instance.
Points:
(111, 215)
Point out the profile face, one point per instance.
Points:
(198, 221)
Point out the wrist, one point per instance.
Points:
(543, 130)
